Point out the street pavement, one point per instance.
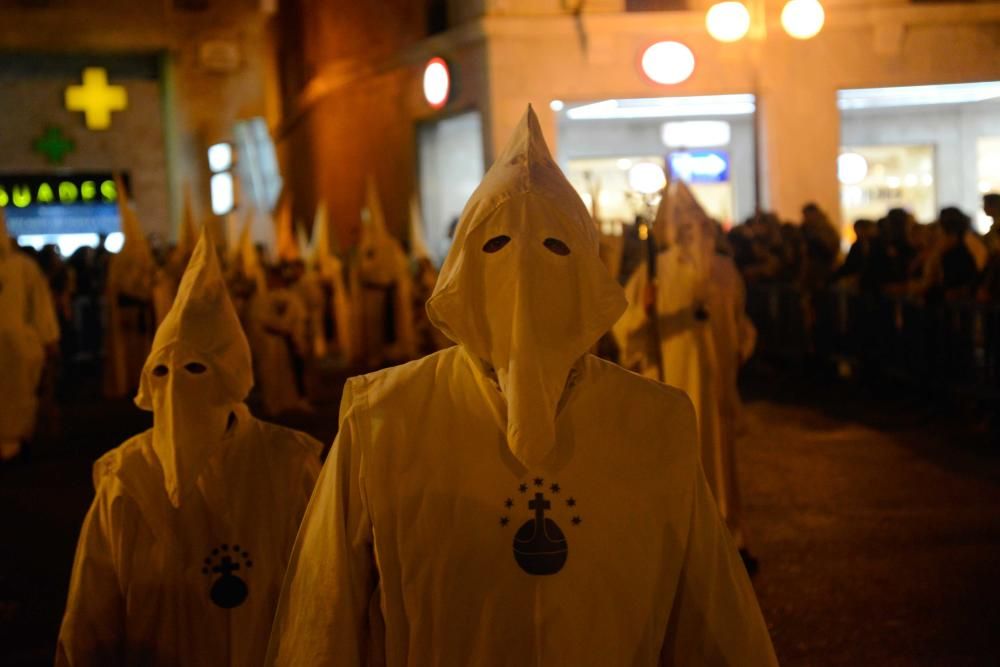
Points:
(876, 522)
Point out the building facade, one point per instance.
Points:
(181, 76)
(793, 106)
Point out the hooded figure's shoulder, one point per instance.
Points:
(635, 395)
(134, 458)
(284, 441)
(416, 379)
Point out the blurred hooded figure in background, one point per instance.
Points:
(181, 556)
(513, 500)
(28, 329)
(383, 290)
(702, 333)
(130, 295)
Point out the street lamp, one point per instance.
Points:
(667, 63)
(730, 21)
(803, 19)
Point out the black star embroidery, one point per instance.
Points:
(509, 503)
(504, 521)
(571, 502)
(523, 488)
(539, 481)
(577, 521)
(555, 488)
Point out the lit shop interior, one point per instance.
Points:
(607, 148)
(920, 148)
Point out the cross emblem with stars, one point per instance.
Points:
(96, 99)
(226, 567)
(54, 145)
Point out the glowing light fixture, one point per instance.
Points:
(220, 157)
(114, 242)
(647, 178)
(803, 19)
(851, 168)
(668, 63)
(728, 21)
(665, 107)
(223, 193)
(557, 105)
(96, 99)
(437, 83)
(695, 133)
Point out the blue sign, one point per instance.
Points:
(708, 166)
(57, 204)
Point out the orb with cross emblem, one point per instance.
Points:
(229, 590)
(540, 547)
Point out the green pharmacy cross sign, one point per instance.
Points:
(54, 145)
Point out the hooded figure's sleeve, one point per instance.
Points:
(329, 595)
(93, 626)
(632, 331)
(715, 619)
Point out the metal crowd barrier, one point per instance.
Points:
(952, 346)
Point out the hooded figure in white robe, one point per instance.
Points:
(696, 302)
(734, 337)
(168, 276)
(181, 556)
(513, 500)
(131, 312)
(28, 325)
(429, 337)
(384, 294)
(279, 336)
(331, 327)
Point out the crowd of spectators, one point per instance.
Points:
(941, 261)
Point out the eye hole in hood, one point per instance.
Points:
(195, 368)
(556, 246)
(495, 244)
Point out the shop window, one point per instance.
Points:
(874, 179)
(987, 175)
(656, 5)
(437, 16)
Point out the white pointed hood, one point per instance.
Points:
(199, 370)
(186, 237)
(523, 288)
(418, 239)
(381, 253)
(136, 247)
(682, 223)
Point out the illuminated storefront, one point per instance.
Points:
(919, 148)
(765, 121)
(145, 93)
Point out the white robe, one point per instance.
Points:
(406, 555)
(28, 324)
(131, 322)
(278, 329)
(734, 337)
(151, 583)
(512, 500)
(686, 346)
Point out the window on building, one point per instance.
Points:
(437, 16)
(656, 5)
